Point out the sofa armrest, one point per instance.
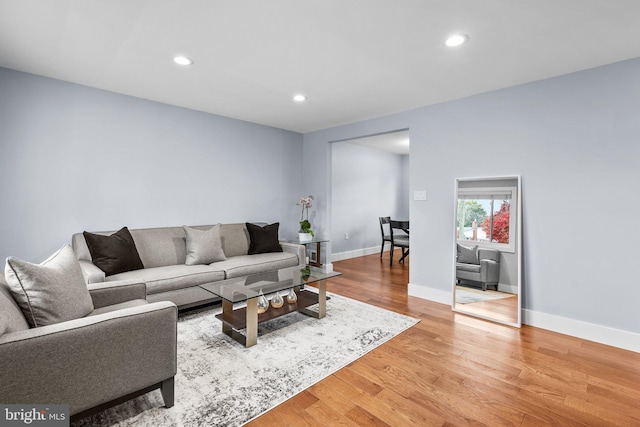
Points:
(91, 273)
(110, 293)
(92, 360)
(297, 249)
(492, 254)
(489, 271)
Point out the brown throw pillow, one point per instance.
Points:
(263, 239)
(114, 254)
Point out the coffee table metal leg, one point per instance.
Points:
(322, 299)
(252, 322)
(251, 336)
(227, 309)
(322, 302)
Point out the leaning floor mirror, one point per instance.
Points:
(487, 259)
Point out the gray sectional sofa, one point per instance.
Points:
(477, 266)
(163, 252)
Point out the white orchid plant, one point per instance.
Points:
(305, 203)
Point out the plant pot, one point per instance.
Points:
(305, 237)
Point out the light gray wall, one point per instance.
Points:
(574, 140)
(73, 158)
(367, 183)
(404, 196)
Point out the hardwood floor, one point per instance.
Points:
(503, 309)
(451, 369)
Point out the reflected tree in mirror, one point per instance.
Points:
(496, 226)
(484, 217)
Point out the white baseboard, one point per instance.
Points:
(443, 297)
(327, 268)
(575, 328)
(340, 256)
(511, 289)
(588, 331)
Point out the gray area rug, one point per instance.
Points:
(469, 295)
(221, 383)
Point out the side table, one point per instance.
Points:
(315, 241)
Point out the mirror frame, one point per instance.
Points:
(518, 246)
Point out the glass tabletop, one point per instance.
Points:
(243, 288)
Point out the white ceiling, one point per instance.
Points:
(354, 59)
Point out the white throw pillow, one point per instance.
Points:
(203, 246)
(51, 292)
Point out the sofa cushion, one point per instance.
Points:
(114, 254)
(467, 255)
(160, 247)
(11, 317)
(245, 265)
(172, 277)
(471, 268)
(263, 239)
(235, 239)
(203, 246)
(118, 306)
(164, 246)
(186, 297)
(51, 292)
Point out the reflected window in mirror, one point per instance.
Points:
(485, 217)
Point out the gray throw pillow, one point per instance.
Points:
(203, 246)
(468, 255)
(11, 317)
(51, 292)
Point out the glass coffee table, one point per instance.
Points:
(247, 289)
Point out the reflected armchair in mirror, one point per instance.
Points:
(477, 266)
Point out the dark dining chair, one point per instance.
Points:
(386, 235)
(399, 238)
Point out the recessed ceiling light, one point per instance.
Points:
(182, 60)
(299, 98)
(457, 40)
